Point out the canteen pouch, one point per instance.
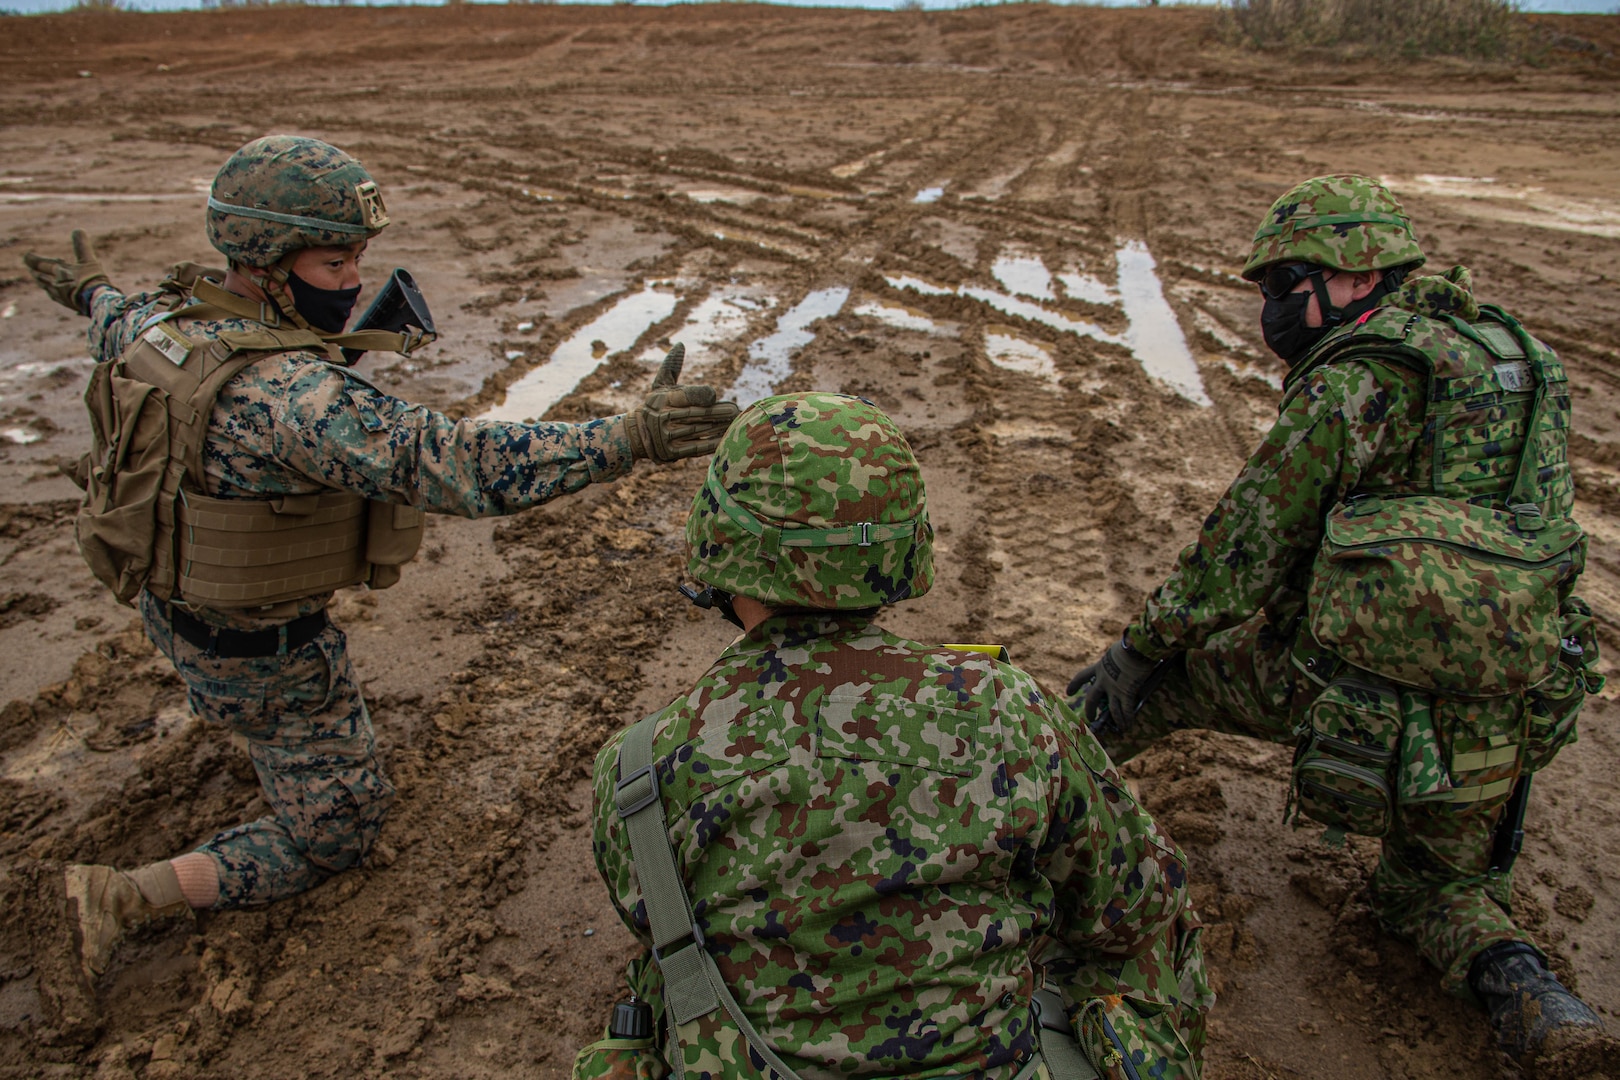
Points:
(1553, 708)
(1443, 595)
(1344, 767)
(1555, 704)
(620, 1059)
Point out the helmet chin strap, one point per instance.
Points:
(1388, 281)
(279, 273)
(272, 282)
(1331, 316)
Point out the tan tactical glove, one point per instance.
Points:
(65, 282)
(678, 421)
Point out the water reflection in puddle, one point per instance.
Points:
(1087, 288)
(1484, 196)
(1023, 275)
(902, 318)
(1227, 340)
(1251, 371)
(735, 195)
(745, 236)
(720, 318)
(617, 329)
(1006, 349)
(1154, 335)
(1029, 309)
(80, 196)
(770, 359)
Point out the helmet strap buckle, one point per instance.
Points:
(712, 598)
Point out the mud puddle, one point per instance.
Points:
(586, 349)
(770, 359)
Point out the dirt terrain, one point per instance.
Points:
(1015, 228)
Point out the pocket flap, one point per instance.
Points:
(1375, 523)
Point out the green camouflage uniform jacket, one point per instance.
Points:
(884, 843)
(1234, 607)
(1343, 426)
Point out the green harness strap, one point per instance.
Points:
(693, 986)
(692, 983)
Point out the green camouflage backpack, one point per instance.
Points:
(1458, 591)
(813, 500)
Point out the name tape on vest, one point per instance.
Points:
(165, 343)
(1515, 376)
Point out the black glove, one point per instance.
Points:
(66, 281)
(1117, 678)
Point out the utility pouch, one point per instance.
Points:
(1344, 767)
(1482, 744)
(118, 516)
(393, 535)
(1444, 595)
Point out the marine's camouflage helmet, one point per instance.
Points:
(282, 193)
(813, 500)
(1344, 221)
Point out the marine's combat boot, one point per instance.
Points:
(1536, 1019)
(103, 903)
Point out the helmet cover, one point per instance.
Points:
(813, 500)
(1344, 221)
(283, 193)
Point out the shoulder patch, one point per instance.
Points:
(1499, 340)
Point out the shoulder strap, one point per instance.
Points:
(211, 301)
(693, 986)
(1522, 496)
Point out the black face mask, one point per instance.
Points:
(1282, 322)
(324, 309)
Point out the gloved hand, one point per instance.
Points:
(678, 421)
(65, 281)
(1116, 678)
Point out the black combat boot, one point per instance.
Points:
(1536, 1019)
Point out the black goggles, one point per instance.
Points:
(1282, 279)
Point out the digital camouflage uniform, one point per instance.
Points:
(295, 423)
(889, 846)
(1231, 618)
(239, 473)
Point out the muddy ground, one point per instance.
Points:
(1015, 228)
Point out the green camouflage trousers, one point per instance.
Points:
(309, 736)
(1433, 885)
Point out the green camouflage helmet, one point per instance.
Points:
(1344, 221)
(813, 501)
(283, 193)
